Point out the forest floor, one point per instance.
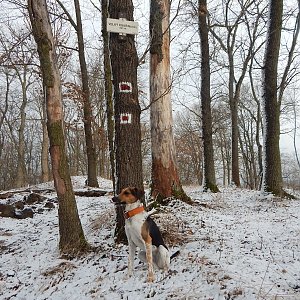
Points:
(233, 245)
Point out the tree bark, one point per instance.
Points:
(4, 109)
(272, 164)
(87, 110)
(233, 103)
(235, 168)
(258, 128)
(21, 179)
(71, 234)
(124, 62)
(209, 166)
(45, 149)
(108, 92)
(165, 179)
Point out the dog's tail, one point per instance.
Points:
(175, 254)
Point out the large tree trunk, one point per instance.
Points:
(272, 164)
(124, 62)
(209, 166)
(71, 234)
(108, 92)
(165, 179)
(87, 110)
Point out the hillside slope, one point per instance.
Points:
(233, 245)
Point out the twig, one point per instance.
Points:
(259, 291)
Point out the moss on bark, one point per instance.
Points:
(56, 138)
(179, 193)
(46, 64)
(212, 187)
(280, 193)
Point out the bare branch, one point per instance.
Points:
(70, 19)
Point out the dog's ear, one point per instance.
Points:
(138, 193)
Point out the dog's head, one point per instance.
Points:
(129, 195)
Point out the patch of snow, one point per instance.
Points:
(240, 246)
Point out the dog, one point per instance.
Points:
(142, 232)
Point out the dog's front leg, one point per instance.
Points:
(149, 262)
(132, 248)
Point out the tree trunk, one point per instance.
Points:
(248, 177)
(272, 164)
(108, 92)
(209, 166)
(71, 234)
(258, 128)
(45, 149)
(21, 179)
(259, 147)
(124, 62)
(87, 110)
(235, 172)
(223, 164)
(165, 179)
(4, 109)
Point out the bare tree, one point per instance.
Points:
(165, 179)
(108, 90)
(249, 134)
(87, 110)
(272, 165)
(259, 125)
(4, 108)
(71, 234)
(295, 135)
(124, 62)
(19, 62)
(208, 154)
(229, 45)
(272, 100)
(21, 179)
(189, 146)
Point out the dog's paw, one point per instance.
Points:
(150, 278)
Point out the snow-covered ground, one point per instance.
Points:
(233, 245)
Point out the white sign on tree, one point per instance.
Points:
(122, 26)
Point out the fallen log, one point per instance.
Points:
(89, 193)
(81, 192)
(10, 193)
(6, 195)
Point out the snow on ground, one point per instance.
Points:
(236, 246)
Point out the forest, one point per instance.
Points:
(237, 35)
(185, 99)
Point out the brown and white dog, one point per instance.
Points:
(142, 232)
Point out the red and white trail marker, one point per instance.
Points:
(125, 87)
(125, 118)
